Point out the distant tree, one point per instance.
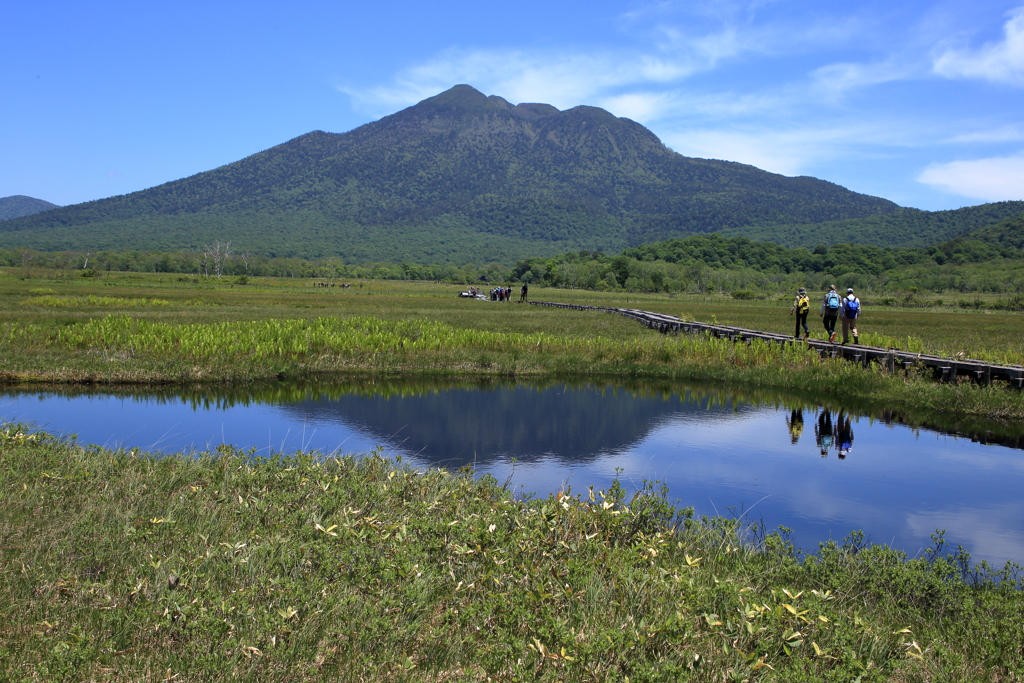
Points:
(218, 253)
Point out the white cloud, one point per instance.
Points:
(1000, 62)
(564, 79)
(991, 180)
(988, 530)
(792, 151)
(746, 148)
(834, 80)
(640, 106)
(995, 135)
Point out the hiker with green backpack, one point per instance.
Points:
(801, 306)
(829, 314)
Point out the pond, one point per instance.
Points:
(822, 471)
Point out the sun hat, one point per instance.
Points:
(849, 290)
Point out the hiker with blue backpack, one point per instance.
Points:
(849, 313)
(829, 314)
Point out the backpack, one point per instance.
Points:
(852, 308)
(832, 301)
(803, 304)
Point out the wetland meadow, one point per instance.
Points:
(221, 559)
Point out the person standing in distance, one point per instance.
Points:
(829, 313)
(850, 312)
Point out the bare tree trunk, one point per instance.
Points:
(203, 264)
(219, 252)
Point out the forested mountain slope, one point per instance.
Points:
(1003, 240)
(458, 177)
(902, 228)
(19, 205)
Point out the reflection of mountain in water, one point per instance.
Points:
(462, 425)
(524, 420)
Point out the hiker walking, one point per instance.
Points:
(849, 313)
(801, 307)
(829, 313)
(522, 293)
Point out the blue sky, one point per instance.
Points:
(919, 102)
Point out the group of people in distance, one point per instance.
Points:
(833, 309)
(501, 294)
(505, 293)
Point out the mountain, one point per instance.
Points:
(458, 177)
(19, 205)
(462, 177)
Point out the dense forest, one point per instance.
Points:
(905, 227)
(987, 260)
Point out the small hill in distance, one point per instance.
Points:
(19, 205)
(905, 227)
(1002, 240)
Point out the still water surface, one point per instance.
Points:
(719, 454)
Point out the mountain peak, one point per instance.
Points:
(460, 97)
(467, 98)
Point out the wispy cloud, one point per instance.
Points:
(790, 90)
(994, 179)
(1000, 62)
(785, 151)
(833, 81)
(563, 79)
(670, 51)
(991, 136)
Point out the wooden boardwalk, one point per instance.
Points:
(943, 369)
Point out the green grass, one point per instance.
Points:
(119, 566)
(219, 332)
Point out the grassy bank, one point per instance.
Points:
(126, 349)
(118, 566)
(146, 330)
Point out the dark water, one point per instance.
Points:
(767, 458)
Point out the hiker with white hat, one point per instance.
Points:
(849, 313)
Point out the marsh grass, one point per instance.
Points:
(120, 566)
(222, 332)
(93, 301)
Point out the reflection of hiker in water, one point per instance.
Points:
(823, 432)
(844, 435)
(795, 422)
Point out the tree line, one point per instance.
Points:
(989, 260)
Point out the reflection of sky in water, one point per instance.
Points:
(171, 425)
(897, 485)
